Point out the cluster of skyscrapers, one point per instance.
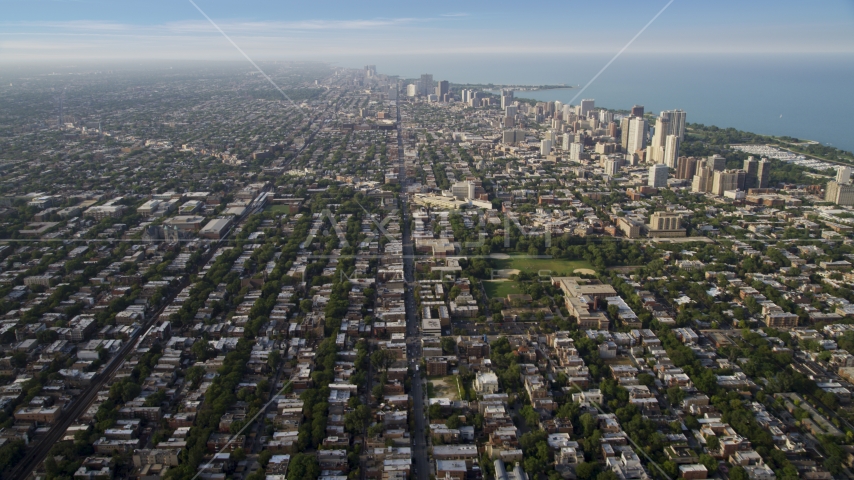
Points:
(435, 91)
(634, 141)
(710, 175)
(664, 146)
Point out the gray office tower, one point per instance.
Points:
(751, 166)
(442, 88)
(677, 122)
(426, 84)
(764, 173)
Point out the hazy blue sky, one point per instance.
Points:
(152, 29)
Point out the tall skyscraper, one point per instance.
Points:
(686, 168)
(671, 151)
(411, 90)
(727, 180)
(637, 111)
(658, 176)
(764, 173)
(839, 193)
(442, 89)
(605, 117)
(655, 150)
(676, 122)
(426, 84)
(566, 113)
(575, 151)
(586, 107)
(545, 147)
(751, 166)
(843, 175)
(506, 98)
(624, 133)
(662, 129)
(717, 162)
(370, 71)
(567, 139)
(612, 166)
(549, 108)
(702, 181)
(637, 135)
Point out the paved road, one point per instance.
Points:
(413, 334)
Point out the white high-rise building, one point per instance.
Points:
(551, 136)
(655, 150)
(612, 166)
(676, 122)
(658, 176)
(545, 147)
(671, 151)
(463, 190)
(605, 117)
(654, 154)
(506, 98)
(567, 139)
(575, 151)
(586, 107)
(567, 111)
(637, 135)
(843, 175)
(839, 193)
(411, 90)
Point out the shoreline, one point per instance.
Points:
(515, 88)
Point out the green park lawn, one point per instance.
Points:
(533, 265)
(279, 209)
(500, 289)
